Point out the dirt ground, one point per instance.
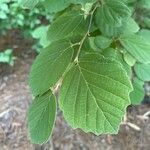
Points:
(15, 98)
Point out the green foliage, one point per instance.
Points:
(67, 25)
(113, 15)
(29, 3)
(42, 116)
(40, 35)
(93, 47)
(142, 71)
(50, 65)
(7, 57)
(138, 93)
(137, 47)
(12, 16)
(93, 104)
(102, 42)
(3, 10)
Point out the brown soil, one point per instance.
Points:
(15, 98)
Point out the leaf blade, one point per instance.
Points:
(41, 118)
(49, 66)
(137, 47)
(83, 105)
(67, 25)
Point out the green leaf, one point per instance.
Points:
(41, 117)
(112, 19)
(142, 71)
(102, 42)
(137, 95)
(40, 33)
(128, 26)
(131, 26)
(69, 24)
(129, 59)
(49, 66)
(110, 53)
(83, 1)
(145, 33)
(3, 15)
(7, 57)
(113, 12)
(146, 21)
(29, 3)
(93, 96)
(145, 3)
(109, 30)
(137, 47)
(92, 44)
(54, 6)
(114, 54)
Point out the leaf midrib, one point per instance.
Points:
(106, 119)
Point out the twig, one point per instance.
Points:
(87, 33)
(147, 114)
(134, 126)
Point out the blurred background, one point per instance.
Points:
(22, 36)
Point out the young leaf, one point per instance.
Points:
(137, 47)
(93, 97)
(49, 66)
(41, 117)
(129, 59)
